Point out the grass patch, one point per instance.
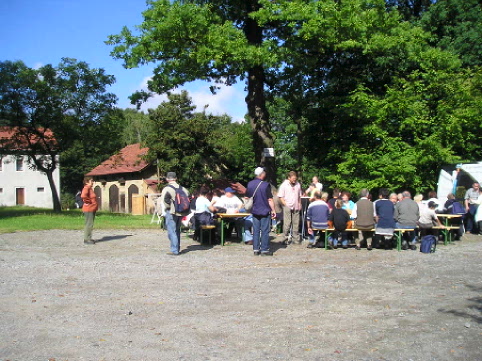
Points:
(24, 219)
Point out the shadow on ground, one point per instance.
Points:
(474, 303)
(113, 238)
(196, 247)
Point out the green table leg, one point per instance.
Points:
(327, 235)
(399, 240)
(222, 232)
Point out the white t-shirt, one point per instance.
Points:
(202, 205)
(231, 204)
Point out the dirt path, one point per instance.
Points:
(125, 299)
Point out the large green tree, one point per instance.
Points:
(218, 41)
(53, 105)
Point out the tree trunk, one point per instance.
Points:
(53, 188)
(256, 100)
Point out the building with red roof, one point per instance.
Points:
(20, 182)
(124, 182)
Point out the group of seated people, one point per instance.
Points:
(376, 220)
(207, 204)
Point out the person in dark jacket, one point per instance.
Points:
(263, 210)
(340, 218)
(317, 216)
(384, 209)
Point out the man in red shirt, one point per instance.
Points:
(89, 208)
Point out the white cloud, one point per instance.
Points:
(227, 100)
(37, 66)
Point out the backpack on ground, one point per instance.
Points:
(182, 204)
(428, 244)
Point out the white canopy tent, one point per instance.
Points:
(469, 174)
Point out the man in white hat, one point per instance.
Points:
(263, 210)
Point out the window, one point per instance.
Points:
(19, 164)
(40, 189)
(1, 190)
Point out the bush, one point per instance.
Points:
(67, 200)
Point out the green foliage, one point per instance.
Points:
(67, 201)
(456, 25)
(195, 145)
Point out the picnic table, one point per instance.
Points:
(223, 216)
(447, 227)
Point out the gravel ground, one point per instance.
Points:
(125, 299)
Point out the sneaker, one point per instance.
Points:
(172, 254)
(369, 248)
(256, 253)
(267, 253)
(357, 248)
(89, 242)
(249, 243)
(311, 245)
(413, 247)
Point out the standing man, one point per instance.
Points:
(364, 215)
(407, 215)
(173, 219)
(263, 210)
(289, 194)
(89, 208)
(314, 186)
(471, 197)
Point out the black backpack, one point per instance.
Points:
(181, 201)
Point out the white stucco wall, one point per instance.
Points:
(29, 179)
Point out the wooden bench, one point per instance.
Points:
(446, 232)
(398, 233)
(204, 229)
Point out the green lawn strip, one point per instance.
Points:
(23, 219)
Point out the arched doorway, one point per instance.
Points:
(133, 189)
(98, 194)
(114, 198)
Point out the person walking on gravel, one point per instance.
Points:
(263, 210)
(171, 197)
(89, 209)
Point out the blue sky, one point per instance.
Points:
(41, 32)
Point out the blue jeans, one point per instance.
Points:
(312, 237)
(471, 225)
(333, 239)
(173, 224)
(411, 234)
(261, 228)
(248, 224)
